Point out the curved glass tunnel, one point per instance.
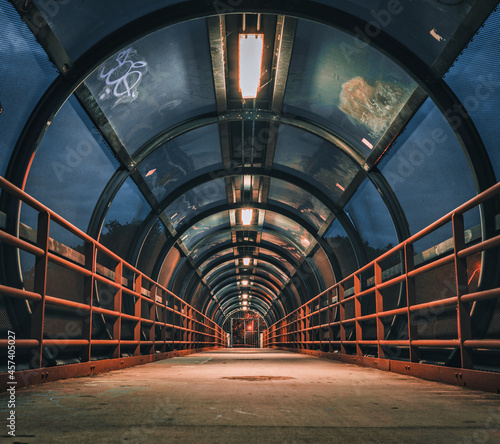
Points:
(163, 211)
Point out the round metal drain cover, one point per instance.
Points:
(259, 378)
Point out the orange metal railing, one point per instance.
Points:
(169, 322)
(324, 324)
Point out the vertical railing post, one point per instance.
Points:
(40, 287)
(152, 317)
(357, 313)
(379, 308)
(88, 299)
(410, 301)
(117, 326)
(330, 319)
(464, 329)
(342, 318)
(138, 313)
(164, 321)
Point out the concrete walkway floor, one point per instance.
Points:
(252, 396)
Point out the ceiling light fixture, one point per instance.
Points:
(245, 302)
(246, 216)
(251, 48)
(245, 296)
(246, 261)
(244, 282)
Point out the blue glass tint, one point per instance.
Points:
(195, 200)
(341, 245)
(309, 207)
(211, 242)
(25, 73)
(181, 159)
(124, 220)
(316, 159)
(356, 94)
(475, 79)
(372, 220)
(428, 171)
(289, 229)
(229, 252)
(151, 249)
(156, 82)
(70, 169)
(424, 29)
(204, 229)
(287, 246)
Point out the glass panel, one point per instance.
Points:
(475, 78)
(337, 238)
(317, 159)
(310, 207)
(25, 73)
(156, 82)
(280, 243)
(372, 220)
(424, 28)
(357, 94)
(428, 171)
(215, 257)
(151, 248)
(278, 258)
(124, 219)
(180, 159)
(69, 154)
(204, 228)
(80, 28)
(215, 271)
(272, 270)
(292, 230)
(323, 265)
(208, 244)
(195, 200)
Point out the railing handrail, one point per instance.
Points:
(460, 210)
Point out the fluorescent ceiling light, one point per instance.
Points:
(245, 296)
(246, 261)
(244, 282)
(251, 49)
(246, 216)
(245, 302)
(244, 308)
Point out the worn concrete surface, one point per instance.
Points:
(191, 400)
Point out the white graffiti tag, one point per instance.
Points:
(122, 80)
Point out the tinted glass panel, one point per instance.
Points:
(204, 228)
(142, 92)
(280, 259)
(178, 160)
(212, 242)
(372, 220)
(316, 159)
(215, 257)
(475, 78)
(310, 207)
(337, 238)
(280, 243)
(357, 94)
(124, 219)
(70, 169)
(428, 171)
(151, 248)
(182, 209)
(424, 27)
(25, 73)
(292, 230)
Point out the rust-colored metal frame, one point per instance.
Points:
(321, 326)
(188, 330)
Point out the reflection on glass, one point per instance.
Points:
(357, 94)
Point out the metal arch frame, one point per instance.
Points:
(266, 258)
(229, 276)
(230, 285)
(273, 208)
(245, 311)
(230, 303)
(230, 272)
(264, 315)
(259, 292)
(319, 13)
